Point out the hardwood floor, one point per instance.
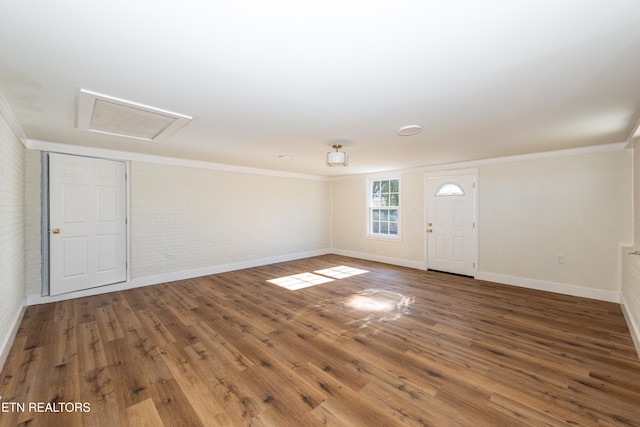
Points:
(389, 347)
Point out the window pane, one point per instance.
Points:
(393, 215)
(393, 228)
(384, 215)
(375, 214)
(384, 200)
(385, 186)
(394, 185)
(384, 228)
(394, 200)
(375, 227)
(376, 187)
(449, 189)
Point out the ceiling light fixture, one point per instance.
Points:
(337, 158)
(409, 130)
(285, 157)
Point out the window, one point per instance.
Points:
(384, 207)
(449, 189)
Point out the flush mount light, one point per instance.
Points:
(285, 157)
(409, 130)
(337, 158)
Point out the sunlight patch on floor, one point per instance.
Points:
(341, 272)
(366, 303)
(364, 310)
(300, 281)
(305, 280)
(375, 300)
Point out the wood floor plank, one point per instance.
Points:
(91, 353)
(143, 414)
(242, 403)
(195, 387)
(391, 346)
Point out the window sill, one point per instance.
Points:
(384, 237)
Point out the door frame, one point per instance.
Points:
(44, 225)
(445, 173)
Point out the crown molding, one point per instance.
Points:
(35, 144)
(474, 164)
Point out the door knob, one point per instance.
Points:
(56, 231)
(429, 231)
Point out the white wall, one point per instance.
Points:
(576, 206)
(12, 246)
(185, 219)
(349, 231)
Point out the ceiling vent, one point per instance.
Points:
(113, 116)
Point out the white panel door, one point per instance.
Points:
(451, 243)
(87, 223)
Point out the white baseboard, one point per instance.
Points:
(217, 269)
(558, 288)
(378, 258)
(5, 346)
(173, 276)
(634, 328)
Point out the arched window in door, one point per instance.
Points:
(449, 189)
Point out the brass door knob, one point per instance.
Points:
(429, 231)
(56, 231)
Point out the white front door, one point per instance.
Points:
(451, 245)
(87, 223)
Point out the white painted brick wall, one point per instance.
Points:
(12, 249)
(188, 218)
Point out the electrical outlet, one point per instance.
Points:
(560, 259)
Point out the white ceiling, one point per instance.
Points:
(264, 78)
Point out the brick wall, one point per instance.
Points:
(12, 249)
(185, 218)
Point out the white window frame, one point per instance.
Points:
(371, 207)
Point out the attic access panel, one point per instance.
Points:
(113, 116)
